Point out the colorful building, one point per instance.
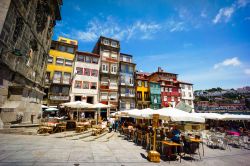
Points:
(126, 83)
(170, 90)
(142, 90)
(59, 71)
(155, 95)
(187, 94)
(85, 84)
(109, 51)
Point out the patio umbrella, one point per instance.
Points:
(77, 105)
(99, 106)
(51, 109)
(44, 106)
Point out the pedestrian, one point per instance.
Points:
(110, 127)
(116, 125)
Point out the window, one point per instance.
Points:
(79, 70)
(122, 105)
(128, 59)
(131, 92)
(88, 59)
(105, 53)
(61, 48)
(93, 85)
(146, 84)
(86, 72)
(189, 87)
(68, 62)
(47, 77)
(172, 98)
(139, 95)
(65, 90)
(130, 69)
(105, 68)
(50, 59)
(122, 79)
(66, 78)
(113, 96)
(189, 102)
(95, 60)
(62, 40)
(55, 90)
(190, 94)
(104, 81)
(179, 90)
(80, 58)
(165, 98)
(113, 68)
(183, 94)
(123, 68)
(57, 77)
(104, 95)
(59, 61)
(85, 85)
(70, 50)
(127, 92)
(146, 96)
(78, 98)
(139, 83)
(166, 89)
(94, 73)
(131, 81)
(114, 44)
(78, 84)
(105, 41)
(162, 89)
(163, 83)
(132, 105)
(113, 55)
(170, 89)
(122, 91)
(142, 83)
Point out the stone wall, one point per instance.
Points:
(27, 30)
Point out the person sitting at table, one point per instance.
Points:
(176, 135)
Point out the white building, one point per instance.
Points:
(187, 94)
(86, 78)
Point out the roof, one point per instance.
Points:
(87, 53)
(126, 54)
(109, 38)
(157, 72)
(182, 82)
(143, 73)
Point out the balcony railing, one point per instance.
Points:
(61, 98)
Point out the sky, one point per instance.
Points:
(206, 43)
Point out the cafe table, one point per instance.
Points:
(197, 141)
(169, 146)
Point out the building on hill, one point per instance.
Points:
(26, 28)
(60, 71)
(109, 51)
(127, 82)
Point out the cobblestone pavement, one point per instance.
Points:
(48, 150)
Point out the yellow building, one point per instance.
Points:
(142, 90)
(59, 71)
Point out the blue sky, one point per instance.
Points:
(206, 42)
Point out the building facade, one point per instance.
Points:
(155, 95)
(59, 71)
(109, 51)
(26, 28)
(170, 90)
(127, 82)
(85, 84)
(142, 90)
(187, 95)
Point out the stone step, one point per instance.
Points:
(93, 138)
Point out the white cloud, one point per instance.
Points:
(175, 26)
(228, 62)
(111, 28)
(203, 14)
(247, 71)
(226, 13)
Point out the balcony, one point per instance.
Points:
(60, 98)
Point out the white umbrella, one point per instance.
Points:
(236, 117)
(100, 105)
(77, 104)
(213, 116)
(44, 106)
(177, 115)
(141, 114)
(51, 109)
